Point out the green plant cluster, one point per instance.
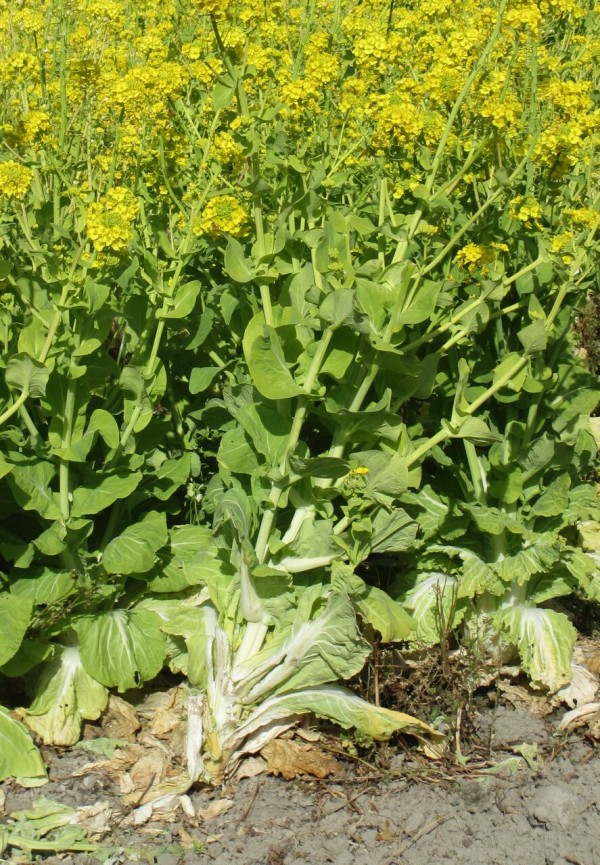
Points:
(203, 437)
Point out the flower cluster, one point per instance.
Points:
(15, 179)
(109, 221)
(222, 214)
(475, 256)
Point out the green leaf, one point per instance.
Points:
(533, 337)
(189, 541)
(267, 429)
(385, 615)
(105, 491)
(134, 550)
(44, 585)
(25, 374)
(236, 454)
(223, 92)
(344, 708)
(476, 430)
(201, 378)
(30, 485)
(122, 648)
(15, 615)
(236, 264)
(555, 498)
(103, 422)
(268, 367)
(65, 696)
(421, 307)
(505, 367)
(338, 308)
(19, 758)
(182, 303)
(388, 472)
(319, 467)
(545, 640)
(393, 531)
(170, 476)
(432, 603)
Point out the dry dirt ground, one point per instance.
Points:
(533, 800)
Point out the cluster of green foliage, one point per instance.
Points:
(203, 439)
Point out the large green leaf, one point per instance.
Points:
(393, 531)
(19, 758)
(15, 615)
(344, 708)
(433, 604)
(122, 648)
(27, 375)
(236, 453)
(385, 615)
(44, 585)
(65, 695)
(104, 491)
(267, 363)
(134, 550)
(30, 485)
(182, 303)
(545, 640)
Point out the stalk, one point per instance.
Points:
(69, 408)
(299, 417)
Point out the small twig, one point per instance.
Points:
(348, 802)
(458, 732)
(246, 813)
(417, 837)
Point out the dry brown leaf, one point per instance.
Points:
(187, 840)
(250, 768)
(588, 715)
(581, 689)
(593, 663)
(97, 819)
(290, 759)
(308, 735)
(125, 757)
(538, 704)
(120, 720)
(146, 774)
(215, 809)
(2, 800)
(386, 832)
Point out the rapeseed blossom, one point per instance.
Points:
(223, 214)
(15, 179)
(109, 221)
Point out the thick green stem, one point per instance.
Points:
(63, 472)
(14, 408)
(277, 488)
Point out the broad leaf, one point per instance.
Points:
(15, 615)
(65, 695)
(121, 648)
(19, 758)
(545, 640)
(105, 490)
(134, 550)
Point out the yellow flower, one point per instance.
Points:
(526, 209)
(474, 256)
(109, 221)
(15, 179)
(222, 214)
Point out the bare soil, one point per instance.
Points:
(387, 807)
